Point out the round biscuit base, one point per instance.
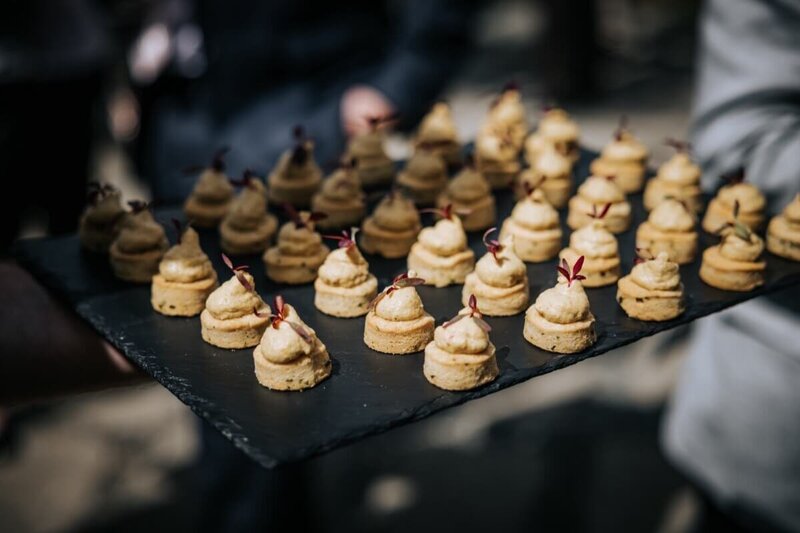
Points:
(557, 341)
(135, 268)
(244, 332)
(345, 303)
(303, 373)
(204, 215)
(180, 299)
(730, 280)
(398, 342)
(466, 373)
(651, 309)
(783, 247)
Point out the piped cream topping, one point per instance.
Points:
(535, 212)
(792, 211)
(426, 165)
(342, 186)
(282, 344)
(462, 337)
(750, 198)
(396, 212)
(469, 185)
(557, 126)
(186, 262)
(344, 267)
(438, 125)
(505, 270)
(367, 145)
(492, 146)
(400, 304)
(601, 190)
(671, 215)
(232, 300)
(141, 233)
(625, 149)
(551, 163)
(594, 240)
(564, 303)
(213, 186)
(300, 241)
(508, 110)
(445, 238)
(680, 170)
(659, 274)
(288, 168)
(250, 207)
(735, 248)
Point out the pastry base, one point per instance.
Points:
(440, 271)
(658, 190)
(340, 214)
(204, 215)
(398, 337)
(558, 338)
(180, 299)
(728, 275)
(680, 246)
(137, 268)
(717, 215)
(235, 242)
(482, 212)
(303, 373)
(629, 176)
(389, 244)
(297, 192)
(643, 304)
(345, 302)
(242, 332)
(782, 240)
(293, 269)
(599, 271)
(458, 372)
(376, 175)
(532, 246)
(495, 301)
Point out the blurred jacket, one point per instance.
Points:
(734, 422)
(270, 65)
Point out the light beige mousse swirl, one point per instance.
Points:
(100, 222)
(285, 360)
(400, 305)
(783, 233)
(462, 337)
(424, 177)
(720, 208)
(344, 267)
(186, 262)
(735, 263)
(344, 286)
(249, 208)
(601, 252)
(232, 300)
(556, 128)
(563, 303)
(470, 193)
(659, 274)
(440, 255)
(341, 198)
(592, 196)
(213, 187)
(499, 282)
(625, 158)
(438, 126)
(669, 229)
(535, 228)
(392, 228)
(140, 234)
(373, 165)
(653, 290)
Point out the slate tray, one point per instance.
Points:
(368, 392)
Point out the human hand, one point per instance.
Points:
(359, 103)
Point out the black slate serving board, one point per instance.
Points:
(368, 392)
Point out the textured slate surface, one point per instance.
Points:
(368, 392)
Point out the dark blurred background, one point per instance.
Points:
(575, 450)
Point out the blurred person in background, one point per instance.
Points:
(734, 423)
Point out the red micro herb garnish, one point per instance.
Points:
(622, 127)
(474, 314)
(492, 245)
(446, 212)
(278, 316)
(247, 180)
(137, 206)
(345, 240)
(238, 271)
(733, 177)
(682, 147)
(599, 215)
(399, 282)
(574, 274)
